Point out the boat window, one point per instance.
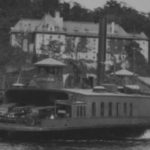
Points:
(81, 114)
(93, 109)
(84, 111)
(81, 111)
(78, 111)
(131, 109)
(117, 109)
(110, 109)
(102, 109)
(125, 109)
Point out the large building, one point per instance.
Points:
(69, 39)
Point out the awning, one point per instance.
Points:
(50, 62)
(123, 72)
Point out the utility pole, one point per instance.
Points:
(101, 56)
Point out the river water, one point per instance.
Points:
(140, 143)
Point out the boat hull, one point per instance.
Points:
(123, 132)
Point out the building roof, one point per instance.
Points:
(26, 25)
(91, 27)
(81, 27)
(49, 62)
(138, 35)
(74, 27)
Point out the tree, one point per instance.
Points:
(70, 46)
(52, 49)
(50, 5)
(136, 60)
(112, 7)
(82, 45)
(75, 45)
(77, 13)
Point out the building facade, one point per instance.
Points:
(77, 40)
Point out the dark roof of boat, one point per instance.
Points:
(35, 96)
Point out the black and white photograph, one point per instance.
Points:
(74, 75)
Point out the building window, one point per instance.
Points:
(47, 26)
(50, 37)
(116, 40)
(110, 109)
(59, 36)
(93, 109)
(102, 109)
(131, 109)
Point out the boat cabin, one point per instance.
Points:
(50, 74)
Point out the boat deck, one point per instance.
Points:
(90, 92)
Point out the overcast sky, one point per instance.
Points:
(140, 5)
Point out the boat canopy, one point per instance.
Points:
(37, 97)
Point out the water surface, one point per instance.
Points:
(140, 143)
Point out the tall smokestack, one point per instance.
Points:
(101, 56)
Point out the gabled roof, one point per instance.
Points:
(26, 25)
(46, 21)
(49, 62)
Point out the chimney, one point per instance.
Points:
(58, 19)
(57, 14)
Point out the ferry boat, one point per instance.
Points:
(75, 113)
(105, 111)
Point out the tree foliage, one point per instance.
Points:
(136, 60)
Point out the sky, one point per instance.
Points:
(140, 5)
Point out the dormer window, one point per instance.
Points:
(44, 26)
(51, 29)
